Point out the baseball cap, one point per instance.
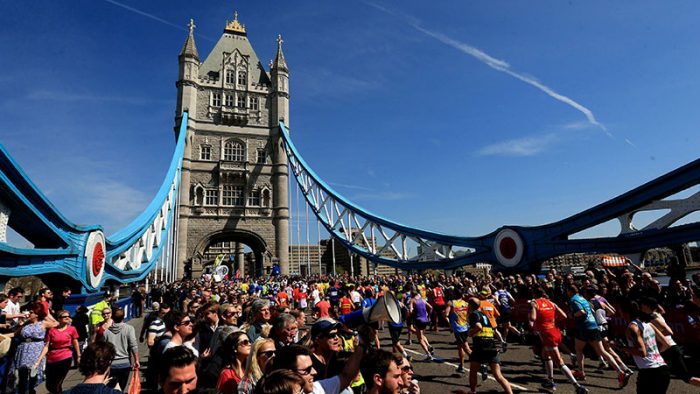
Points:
(323, 326)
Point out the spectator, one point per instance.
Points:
(381, 373)
(57, 350)
(180, 326)
(81, 322)
(123, 337)
(326, 344)
(280, 382)
(260, 317)
(156, 328)
(261, 352)
(94, 365)
(236, 350)
(206, 327)
(177, 372)
(284, 330)
(59, 300)
(27, 363)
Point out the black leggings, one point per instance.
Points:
(674, 358)
(25, 382)
(55, 374)
(653, 380)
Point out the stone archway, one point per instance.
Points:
(254, 241)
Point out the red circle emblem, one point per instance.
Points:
(98, 259)
(508, 248)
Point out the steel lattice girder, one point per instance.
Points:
(511, 247)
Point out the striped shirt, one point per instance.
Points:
(157, 327)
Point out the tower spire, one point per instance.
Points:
(190, 49)
(279, 62)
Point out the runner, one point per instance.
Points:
(485, 349)
(505, 299)
(587, 332)
(421, 310)
(543, 316)
(457, 312)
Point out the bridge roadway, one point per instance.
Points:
(519, 366)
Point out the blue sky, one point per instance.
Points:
(457, 118)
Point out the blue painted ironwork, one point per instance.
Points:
(510, 247)
(83, 252)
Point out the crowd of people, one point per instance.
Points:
(295, 335)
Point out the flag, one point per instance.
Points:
(615, 261)
(238, 274)
(218, 260)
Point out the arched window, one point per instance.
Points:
(242, 77)
(198, 195)
(234, 151)
(266, 198)
(229, 76)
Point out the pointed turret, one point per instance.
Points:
(190, 49)
(188, 76)
(279, 63)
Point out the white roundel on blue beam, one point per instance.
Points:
(95, 253)
(508, 248)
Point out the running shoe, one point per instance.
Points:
(623, 378)
(581, 390)
(429, 358)
(578, 374)
(460, 369)
(549, 385)
(484, 372)
(431, 349)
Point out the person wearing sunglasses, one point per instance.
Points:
(235, 352)
(410, 386)
(326, 344)
(298, 359)
(57, 350)
(262, 351)
(179, 324)
(102, 326)
(228, 320)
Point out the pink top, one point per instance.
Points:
(60, 343)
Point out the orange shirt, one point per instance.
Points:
(490, 311)
(283, 298)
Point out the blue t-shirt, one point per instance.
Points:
(587, 321)
(503, 299)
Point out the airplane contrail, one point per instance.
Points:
(497, 64)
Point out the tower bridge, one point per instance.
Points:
(228, 189)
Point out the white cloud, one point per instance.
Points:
(529, 146)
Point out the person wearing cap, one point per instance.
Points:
(484, 349)
(326, 340)
(673, 355)
(488, 309)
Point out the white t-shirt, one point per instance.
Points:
(327, 386)
(316, 296)
(355, 296)
(12, 309)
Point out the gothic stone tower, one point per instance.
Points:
(234, 173)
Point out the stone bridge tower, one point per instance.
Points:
(234, 176)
